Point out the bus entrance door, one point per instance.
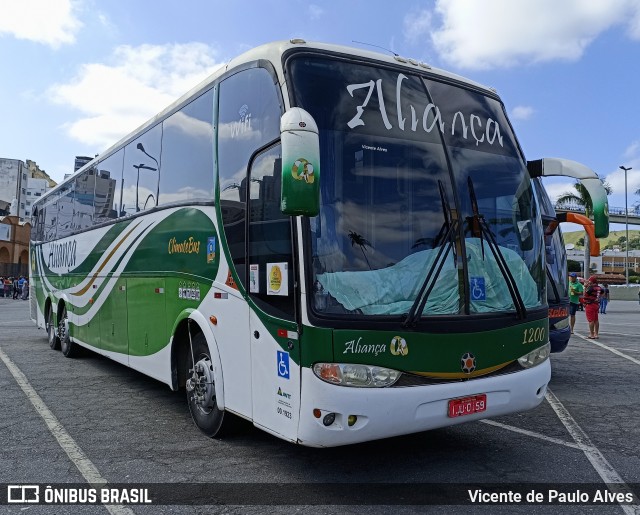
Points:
(276, 377)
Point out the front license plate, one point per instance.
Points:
(467, 405)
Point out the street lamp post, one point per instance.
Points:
(140, 147)
(626, 218)
(138, 168)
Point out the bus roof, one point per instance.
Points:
(273, 52)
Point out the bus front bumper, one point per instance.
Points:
(386, 412)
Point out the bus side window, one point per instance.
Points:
(187, 154)
(270, 251)
(141, 172)
(50, 217)
(66, 207)
(108, 177)
(248, 119)
(84, 200)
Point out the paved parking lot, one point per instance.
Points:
(89, 419)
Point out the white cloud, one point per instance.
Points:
(555, 189)
(632, 150)
(416, 25)
(116, 98)
(315, 11)
(522, 113)
(616, 181)
(634, 24)
(502, 33)
(51, 22)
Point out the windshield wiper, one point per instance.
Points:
(477, 222)
(446, 233)
(446, 212)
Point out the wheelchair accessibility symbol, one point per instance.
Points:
(283, 364)
(478, 291)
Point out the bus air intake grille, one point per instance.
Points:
(407, 379)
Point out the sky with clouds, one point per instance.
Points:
(80, 74)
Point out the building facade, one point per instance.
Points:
(13, 184)
(609, 262)
(14, 247)
(21, 184)
(613, 261)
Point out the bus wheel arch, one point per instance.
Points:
(194, 322)
(203, 382)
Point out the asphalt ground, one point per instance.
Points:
(88, 419)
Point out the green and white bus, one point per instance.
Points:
(334, 244)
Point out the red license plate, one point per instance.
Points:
(467, 405)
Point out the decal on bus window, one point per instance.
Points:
(469, 124)
(477, 287)
(243, 124)
(278, 279)
(254, 278)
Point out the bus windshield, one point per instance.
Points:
(557, 276)
(556, 257)
(426, 204)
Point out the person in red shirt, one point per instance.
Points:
(592, 306)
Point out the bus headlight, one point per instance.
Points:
(360, 376)
(562, 323)
(535, 357)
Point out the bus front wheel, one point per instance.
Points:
(201, 390)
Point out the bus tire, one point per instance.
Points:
(68, 348)
(201, 395)
(54, 341)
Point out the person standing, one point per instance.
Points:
(604, 298)
(575, 292)
(592, 294)
(16, 288)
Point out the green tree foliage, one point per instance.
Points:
(573, 266)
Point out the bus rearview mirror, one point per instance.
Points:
(300, 194)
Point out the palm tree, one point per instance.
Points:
(358, 239)
(581, 197)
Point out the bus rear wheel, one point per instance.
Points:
(68, 348)
(52, 337)
(201, 391)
